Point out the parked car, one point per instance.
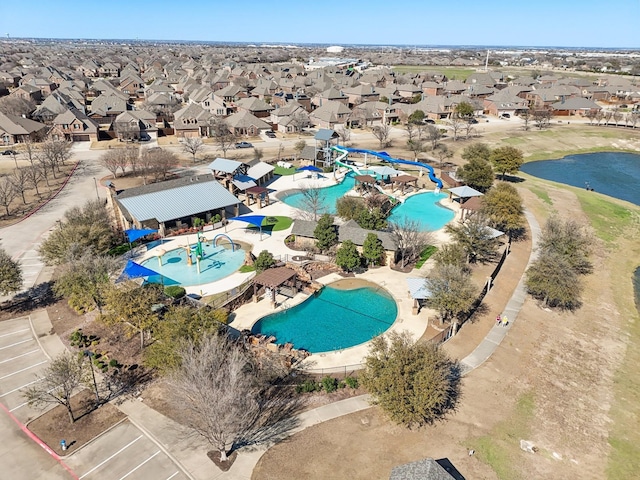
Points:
(270, 134)
(429, 121)
(244, 145)
(473, 120)
(505, 115)
(9, 152)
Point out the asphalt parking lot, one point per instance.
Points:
(123, 452)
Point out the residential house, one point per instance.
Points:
(331, 114)
(17, 129)
(135, 124)
(74, 126)
(28, 92)
(369, 113)
(505, 102)
(54, 105)
(106, 106)
(255, 106)
(192, 121)
(290, 118)
(109, 69)
(574, 106)
(330, 95)
(246, 124)
(361, 94)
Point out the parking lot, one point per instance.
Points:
(124, 452)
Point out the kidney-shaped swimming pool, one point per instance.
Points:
(333, 319)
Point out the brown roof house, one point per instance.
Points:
(74, 126)
(17, 129)
(247, 124)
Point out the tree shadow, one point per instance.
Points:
(451, 470)
(38, 296)
(511, 178)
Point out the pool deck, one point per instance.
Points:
(245, 316)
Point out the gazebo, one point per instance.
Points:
(257, 195)
(418, 291)
(273, 279)
(403, 181)
(365, 182)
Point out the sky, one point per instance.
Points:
(570, 23)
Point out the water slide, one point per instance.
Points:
(385, 157)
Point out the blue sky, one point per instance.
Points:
(573, 23)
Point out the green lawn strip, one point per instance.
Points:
(284, 171)
(542, 195)
(247, 268)
(425, 254)
(274, 224)
(608, 218)
(500, 448)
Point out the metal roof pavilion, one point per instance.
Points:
(224, 165)
(177, 202)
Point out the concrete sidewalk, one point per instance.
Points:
(497, 333)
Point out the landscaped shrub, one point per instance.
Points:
(174, 291)
(329, 384)
(351, 382)
(114, 363)
(307, 386)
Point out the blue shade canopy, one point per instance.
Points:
(135, 270)
(252, 219)
(309, 168)
(133, 233)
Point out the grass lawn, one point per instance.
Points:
(274, 224)
(284, 171)
(425, 255)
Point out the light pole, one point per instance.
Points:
(90, 355)
(95, 182)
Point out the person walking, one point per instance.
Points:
(505, 321)
(498, 320)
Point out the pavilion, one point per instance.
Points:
(276, 280)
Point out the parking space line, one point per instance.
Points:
(13, 333)
(18, 356)
(148, 459)
(23, 369)
(17, 343)
(109, 458)
(19, 406)
(173, 475)
(20, 388)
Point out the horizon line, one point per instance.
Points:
(294, 43)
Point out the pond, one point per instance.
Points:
(614, 174)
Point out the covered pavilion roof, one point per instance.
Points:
(274, 277)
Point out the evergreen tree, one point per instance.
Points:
(325, 233)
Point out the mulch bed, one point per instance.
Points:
(54, 425)
(214, 456)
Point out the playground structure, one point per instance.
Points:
(385, 157)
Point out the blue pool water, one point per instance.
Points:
(218, 262)
(423, 207)
(612, 173)
(330, 196)
(333, 319)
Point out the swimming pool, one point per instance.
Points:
(218, 262)
(333, 319)
(423, 207)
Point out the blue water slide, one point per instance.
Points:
(385, 157)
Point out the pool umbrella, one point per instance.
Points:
(308, 168)
(135, 233)
(135, 270)
(255, 220)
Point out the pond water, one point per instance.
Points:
(612, 173)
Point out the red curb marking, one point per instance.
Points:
(35, 438)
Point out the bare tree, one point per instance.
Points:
(312, 203)
(31, 150)
(617, 115)
(7, 193)
(15, 105)
(526, 117)
(54, 153)
(300, 120)
(599, 116)
(130, 156)
(33, 175)
(223, 137)
(409, 239)
(541, 118)
(591, 115)
(299, 147)
(434, 135)
(192, 145)
(218, 390)
(110, 160)
(456, 124)
(443, 154)
(344, 134)
(156, 162)
(382, 133)
(608, 114)
(20, 182)
(63, 376)
(469, 129)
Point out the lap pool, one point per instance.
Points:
(341, 315)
